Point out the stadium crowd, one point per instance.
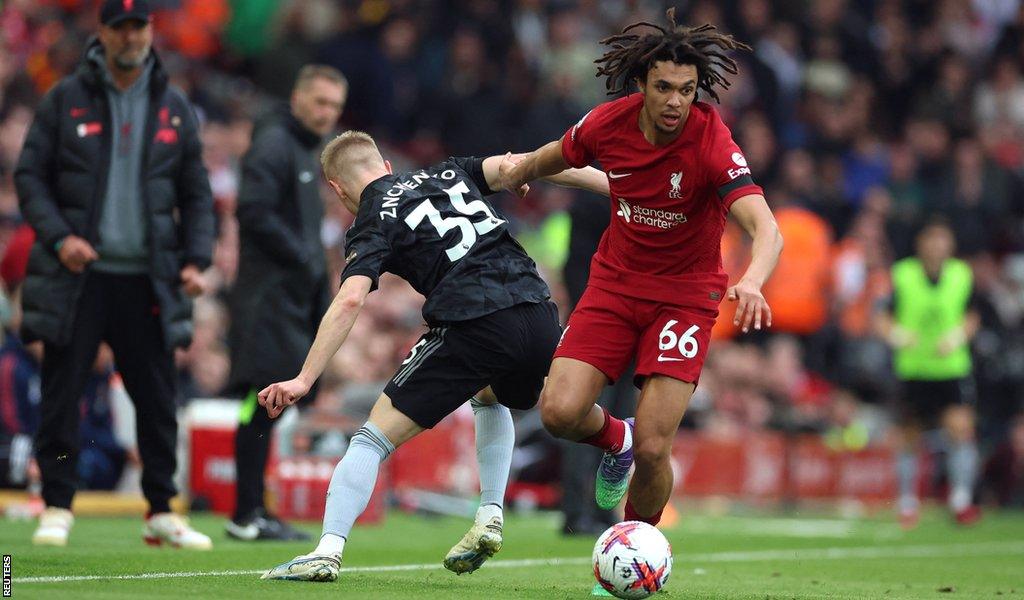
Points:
(860, 119)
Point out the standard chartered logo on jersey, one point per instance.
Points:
(655, 217)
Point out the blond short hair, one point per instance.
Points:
(308, 73)
(349, 151)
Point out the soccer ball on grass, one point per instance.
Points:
(632, 560)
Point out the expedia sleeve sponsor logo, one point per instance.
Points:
(741, 163)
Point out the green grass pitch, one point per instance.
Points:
(722, 557)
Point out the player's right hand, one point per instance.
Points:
(506, 172)
(75, 253)
(278, 396)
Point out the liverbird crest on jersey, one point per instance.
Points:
(675, 179)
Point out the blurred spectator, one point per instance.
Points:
(283, 289)
(19, 407)
(951, 94)
(102, 457)
(851, 426)
(570, 59)
(120, 243)
(353, 51)
(908, 199)
(1000, 100)
(980, 191)
(861, 279)
(929, 322)
(799, 292)
(468, 96)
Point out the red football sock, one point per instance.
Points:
(611, 436)
(631, 515)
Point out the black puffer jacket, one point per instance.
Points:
(61, 179)
(282, 290)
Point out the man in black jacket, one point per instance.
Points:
(111, 179)
(282, 290)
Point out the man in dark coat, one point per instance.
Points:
(282, 290)
(111, 179)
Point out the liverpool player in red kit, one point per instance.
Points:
(656, 280)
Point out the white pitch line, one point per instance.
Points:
(497, 564)
(798, 528)
(920, 551)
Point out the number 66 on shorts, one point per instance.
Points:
(687, 344)
(607, 330)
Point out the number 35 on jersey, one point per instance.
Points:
(469, 230)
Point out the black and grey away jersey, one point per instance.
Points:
(434, 228)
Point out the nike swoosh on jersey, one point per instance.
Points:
(618, 175)
(663, 358)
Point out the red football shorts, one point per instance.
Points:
(606, 330)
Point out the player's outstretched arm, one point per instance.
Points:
(587, 178)
(753, 214)
(333, 330)
(495, 166)
(543, 162)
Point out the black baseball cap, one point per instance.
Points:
(116, 11)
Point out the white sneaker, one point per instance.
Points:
(54, 527)
(173, 529)
(308, 567)
(481, 542)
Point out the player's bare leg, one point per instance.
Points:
(569, 410)
(663, 400)
(568, 403)
(353, 482)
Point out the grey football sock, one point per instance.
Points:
(495, 437)
(906, 472)
(962, 466)
(354, 478)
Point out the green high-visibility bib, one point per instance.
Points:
(930, 311)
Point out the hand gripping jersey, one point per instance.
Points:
(669, 202)
(433, 228)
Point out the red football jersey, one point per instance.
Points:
(670, 202)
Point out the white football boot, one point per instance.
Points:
(482, 541)
(307, 567)
(54, 527)
(172, 528)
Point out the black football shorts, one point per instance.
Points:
(509, 350)
(922, 402)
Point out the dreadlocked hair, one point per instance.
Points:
(633, 54)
